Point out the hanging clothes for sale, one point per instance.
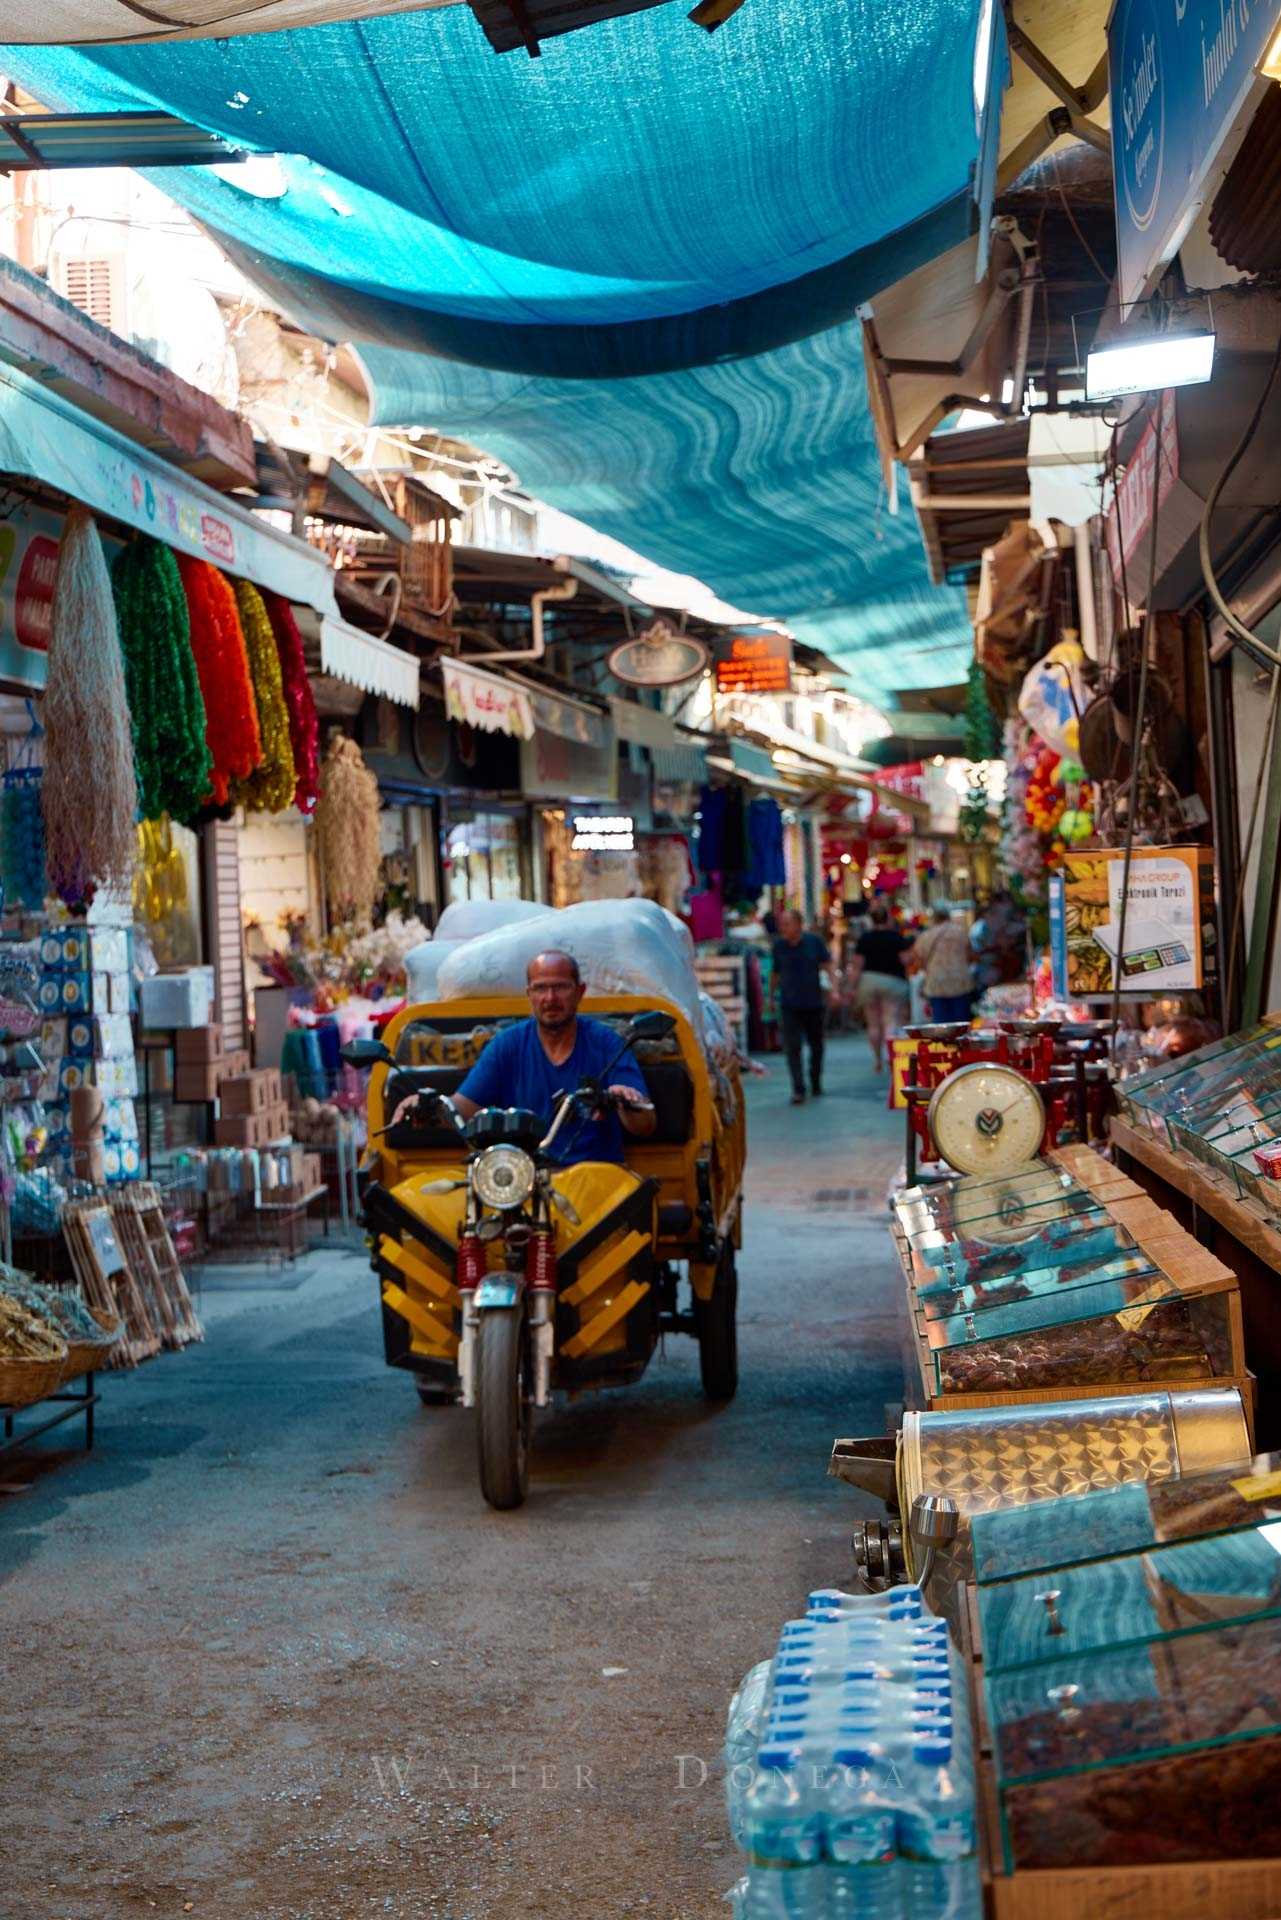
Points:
(765, 864)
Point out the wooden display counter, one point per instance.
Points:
(1238, 1232)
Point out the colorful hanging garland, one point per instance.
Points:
(170, 753)
(304, 727)
(89, 796)
(347, 826)
(270, 788)
(231, 717)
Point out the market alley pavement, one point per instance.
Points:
(269, 1656)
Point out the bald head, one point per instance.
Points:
(555, 987)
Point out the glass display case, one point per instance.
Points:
(1100, 1524)
(1119, 1320)
(1091, 1233)
(1178, 1588)
(1161, 1746)
(1193, 1091)
(992, 1208)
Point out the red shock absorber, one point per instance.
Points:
(540, 1263)
(469, 1267)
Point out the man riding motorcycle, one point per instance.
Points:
(527, 1064)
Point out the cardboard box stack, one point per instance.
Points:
(252, 1110)
(201, 1066)
(86, 1041)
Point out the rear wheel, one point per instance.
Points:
(503, 1406)
(718, 1330)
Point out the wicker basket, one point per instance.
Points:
(23, 1382)
(87, 1356)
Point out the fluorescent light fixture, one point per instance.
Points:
(1149, 365)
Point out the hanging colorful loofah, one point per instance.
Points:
(270, 788)
(347, 825)
(165, 702)
(304, 727)
(231, 716)
(89, 796)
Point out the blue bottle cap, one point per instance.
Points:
(933, 1752)
(853, 1756)
(867, 1672)
(778, 1759)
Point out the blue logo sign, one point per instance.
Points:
(1180, 73)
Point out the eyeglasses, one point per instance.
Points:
(550, 986)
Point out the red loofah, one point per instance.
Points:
(304, 728)
(231, 717)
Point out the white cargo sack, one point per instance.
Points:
(621, 946)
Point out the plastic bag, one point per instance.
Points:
(468, 919)
(1053, 697)
(621, 946)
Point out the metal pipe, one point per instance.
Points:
(561, 590)
(1085, 592)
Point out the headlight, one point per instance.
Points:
(502, 1177)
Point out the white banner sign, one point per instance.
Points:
(484, 701)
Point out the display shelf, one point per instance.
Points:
(1244, 1219)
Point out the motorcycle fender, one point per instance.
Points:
(498, 1290)
(703, 1278)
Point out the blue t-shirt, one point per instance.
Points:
(514, 1071)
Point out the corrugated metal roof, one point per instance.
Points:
(1245, 220)
(41, 140)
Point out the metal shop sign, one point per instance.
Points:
(1158, 943)
(29, 539)
(1130, 514)
(754, 663)
(482, 700)
(1181, 72)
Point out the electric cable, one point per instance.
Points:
(1238, 632)
(1136, 738)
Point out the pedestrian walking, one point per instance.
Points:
(942, 956)
(799, 960)
(879, 979)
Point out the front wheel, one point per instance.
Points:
(718, 1330)
(503, 1406)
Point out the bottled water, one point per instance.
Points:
(864, 1877)
(849, 1762)
(784, 1838)
(937, 1832)
(747, 1712)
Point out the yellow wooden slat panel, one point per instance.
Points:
(599, 1325)
(602, 1265)
(441, 1340)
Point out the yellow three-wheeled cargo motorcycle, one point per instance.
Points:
(505, 1276)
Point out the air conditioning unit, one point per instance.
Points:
(95, 283)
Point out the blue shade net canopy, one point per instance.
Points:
(631, 268)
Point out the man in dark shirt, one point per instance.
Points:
(799, 958)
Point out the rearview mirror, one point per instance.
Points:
(651, 1026)
(368, 1053)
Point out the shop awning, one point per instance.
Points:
(49, 443)
(644, 726)
(683, 763)
(570, 719)
(479, 699)
(365, 661)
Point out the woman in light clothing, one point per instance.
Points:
(942, 956)
(880, 979)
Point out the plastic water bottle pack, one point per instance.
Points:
(849, 1768)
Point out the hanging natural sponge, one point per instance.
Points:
(89, 796)
(304, 727)
(270, 788)
(165, 703)
(231, 717)
(347, 823)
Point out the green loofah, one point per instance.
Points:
(171, 755)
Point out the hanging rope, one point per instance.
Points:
(270, 788)
(304, 727)
(168, 713)
(231, 716)
(347, 825)
(89, 796)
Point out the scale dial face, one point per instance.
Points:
(996, 1215)
(986, 1118)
